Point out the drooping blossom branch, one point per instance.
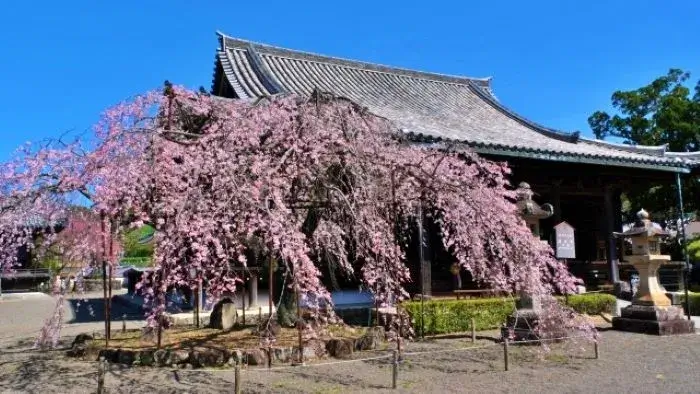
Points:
(315, 181)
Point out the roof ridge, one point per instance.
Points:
(368, 66)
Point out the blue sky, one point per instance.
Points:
(552, 61)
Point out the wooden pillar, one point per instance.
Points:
(610, 215)
(556, 201)
(253, 290)
(617, 207)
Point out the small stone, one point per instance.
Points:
(81, 338)
(160, 357)
(146, 358)
(340, 347)
(126, 357)
(109, 355)
(178, 356)
(267, 329)
(312, 350)
(281, 354)
(207, 357)
(78, 350)
(189, 366)
(255, 357)
(371, 339)
(224, 315)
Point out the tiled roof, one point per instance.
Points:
(432, 107)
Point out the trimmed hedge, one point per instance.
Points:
(449, 316)
(694, 303)
(591, 304)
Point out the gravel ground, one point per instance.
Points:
(629, 363)
(23, 314)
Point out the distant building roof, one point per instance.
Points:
(430, 107)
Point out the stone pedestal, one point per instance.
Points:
(651, 311)
(525, 318)
(653, 320)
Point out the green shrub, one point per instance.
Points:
(694, 303)
(448, 316)
(591, 304)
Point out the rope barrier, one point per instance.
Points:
(395, 361)
(448, 350)
(287, 366)
(386, 356)
(547, 339)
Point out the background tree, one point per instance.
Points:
(664, 112)
(138, 243)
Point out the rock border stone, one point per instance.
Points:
(208, 357)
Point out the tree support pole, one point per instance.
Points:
(422, 274)
(104, 277)
(109, 284)
(299, 327)
(270, 288)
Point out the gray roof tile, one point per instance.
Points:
(433, 106)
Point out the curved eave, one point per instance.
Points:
(658, 150)
(568, 158)
(563, 157)
(549, 132)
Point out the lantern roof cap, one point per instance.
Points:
(643, 227)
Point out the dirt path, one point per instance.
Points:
(630, 363)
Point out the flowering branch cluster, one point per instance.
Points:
(310, 181)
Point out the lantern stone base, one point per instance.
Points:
(521, 324)
(653, 320)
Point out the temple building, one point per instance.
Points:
(581, 178)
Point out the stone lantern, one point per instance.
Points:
(525, 318)
(651, 311)
(530, 210)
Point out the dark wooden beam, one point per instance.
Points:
(609, 229)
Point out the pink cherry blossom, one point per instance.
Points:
(310, 181)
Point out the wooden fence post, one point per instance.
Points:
(237, 383)
(505, 352)
(394, 369)
(473, 331)
(101, 376)
(595, 348)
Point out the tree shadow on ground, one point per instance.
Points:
(39, 368)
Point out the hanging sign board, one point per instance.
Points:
(565, 247)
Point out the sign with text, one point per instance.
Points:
(565, 247)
